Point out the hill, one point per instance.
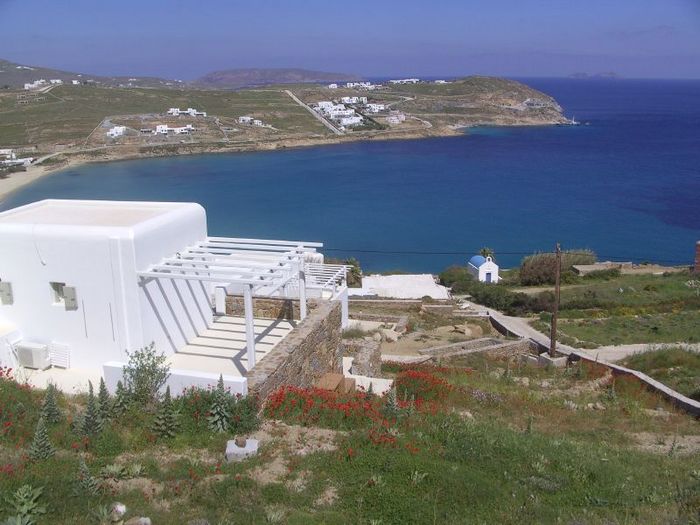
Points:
(14, 75)
(238, 78)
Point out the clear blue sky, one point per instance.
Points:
(187, 38)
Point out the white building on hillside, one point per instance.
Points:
(116, 131)
(83, 282)
(405, 81)
(56, 81)
(75, 82)
(375, 108)
(332, 86)
(484, 269)
(354, 100)
(192, 112)
(245, 120)
(352, 120)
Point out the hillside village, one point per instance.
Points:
(81, 119)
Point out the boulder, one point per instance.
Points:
(238, 453)
(389, 335)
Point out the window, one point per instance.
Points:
(64, 295)
(58, 293)
(6, 296)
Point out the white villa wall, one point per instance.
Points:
(31, 262)
(172, 311)
(116, 311)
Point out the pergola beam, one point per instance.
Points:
(266, 241)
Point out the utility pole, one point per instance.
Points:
(555, 309)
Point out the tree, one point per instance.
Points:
(391, 405)
(486, 252)
(41, 447)
(122, 400)
(145, 374)
(92, 423)
(87, 483)
(104, 401)
(49, 408)
(166, 423)
(219, 416)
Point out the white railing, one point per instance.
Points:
(325, 276)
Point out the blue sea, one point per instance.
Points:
(625, 184)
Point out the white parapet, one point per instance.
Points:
(179, 380)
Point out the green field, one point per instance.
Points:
(628, 309)
(481, 441)
(69, 113)
(676, 367)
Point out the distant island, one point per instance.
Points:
(606, 74)
(53, 118)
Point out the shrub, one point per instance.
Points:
(540, 268)
(324, 408)
(604, 275)
(145, 374)
(219, 416)
(454, 274)
(91, 423)
(121, 400)
(195, 404)
(41, 447)
(166, 423)
(49, 407)
(104, 401)
(86, 482)
(24, 505)
(421, 385)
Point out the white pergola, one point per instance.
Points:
(257, 266)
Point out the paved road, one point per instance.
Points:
(316, 115)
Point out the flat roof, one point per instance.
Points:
(89, 213)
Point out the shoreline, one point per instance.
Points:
(76, 158)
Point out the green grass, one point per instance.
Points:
(677, 368)
(678, 327)
(521, 456)
(71, 113)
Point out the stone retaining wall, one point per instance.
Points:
(309, 351)
(367, 356)
(265, 307)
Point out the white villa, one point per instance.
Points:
(75, 82)
(37, 84)
(352, 120)
(375, 108)
(116, 131)
(396, 117)
(164, 129)
(484, 269)
(83, 282)
(332, 86)
(405, 81)
(192, 112)
(245, 120)
(56, 81)
(354, 100)
(10, 158)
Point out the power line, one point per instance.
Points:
(464, 253)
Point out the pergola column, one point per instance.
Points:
(302, 291)
(249, 326)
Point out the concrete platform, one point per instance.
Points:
(221, 349)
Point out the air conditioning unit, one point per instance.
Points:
(33, 355)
